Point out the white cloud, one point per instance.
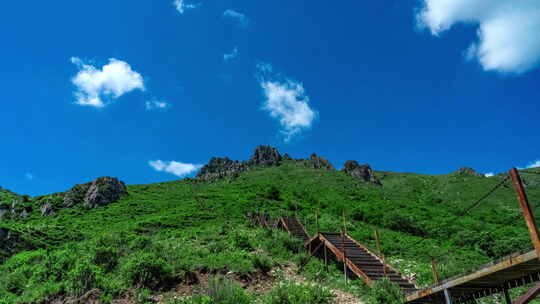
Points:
(182, 6)
(243, 20)
(111, 81)
(229, 56)
(533, 164)
(286, 101)
(508, 33)
(177, 168)
(156, 104)
(490, 174)
(29, 176)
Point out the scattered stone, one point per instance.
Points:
(361, 172)
(100, 192)
(468, 171)
(320, 163)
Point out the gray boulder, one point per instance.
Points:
(219, 167)
(47, 209)
(361, 172)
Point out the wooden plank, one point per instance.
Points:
(486, 270)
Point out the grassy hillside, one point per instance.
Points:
(162, 234)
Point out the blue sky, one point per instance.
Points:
(148, 91)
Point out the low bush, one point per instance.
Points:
(224, 291)
(386, 292)
(295, 293)
(147, 270)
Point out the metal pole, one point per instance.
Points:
(507, 296)
(526, 208)
(325, 258)
(434, 270)
(447, 296)
(344, 255)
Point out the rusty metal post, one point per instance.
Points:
(447, 296)
(436, 276)
(526, 208)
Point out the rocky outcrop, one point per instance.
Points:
(318, 162)
(265, 156)
(468, 171)
(47, 209)
(361, 172)
(16, 209)
(219, 167)
(100, 192)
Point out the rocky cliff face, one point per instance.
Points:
(265, 156)
(361, 172)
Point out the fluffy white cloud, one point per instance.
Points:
(177, 168)
(113, 80)
(156, 104)
(243, 20)
(229, 56)
(286, 101)
(490, 174)
(508, 34)
(182, 6)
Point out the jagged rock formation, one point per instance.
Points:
(468, 171)
(100, 192)
(219, 167)
(47, 210)
(265, 156)
(17, 208)
(318, 162)
(361, 172)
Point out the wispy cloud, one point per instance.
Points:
(533, 164)
(156, 105)
(286, 101)
(110, 82)
(173, 167)
(490, 174)
(241, 19)
(508, 39)
(182, 6)
(29, 176)
(229, 56)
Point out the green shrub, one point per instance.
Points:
(294, 293)
(225, 291)
(386, 292)
(196, 299)
(147, 270)
(262, 262)
(82, 277)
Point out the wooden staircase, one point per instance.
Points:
(294, 227)
(360, 260)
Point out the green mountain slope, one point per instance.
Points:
(160, 234)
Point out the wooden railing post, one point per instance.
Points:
(378, 242)
(434, 271)
(526, 208)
